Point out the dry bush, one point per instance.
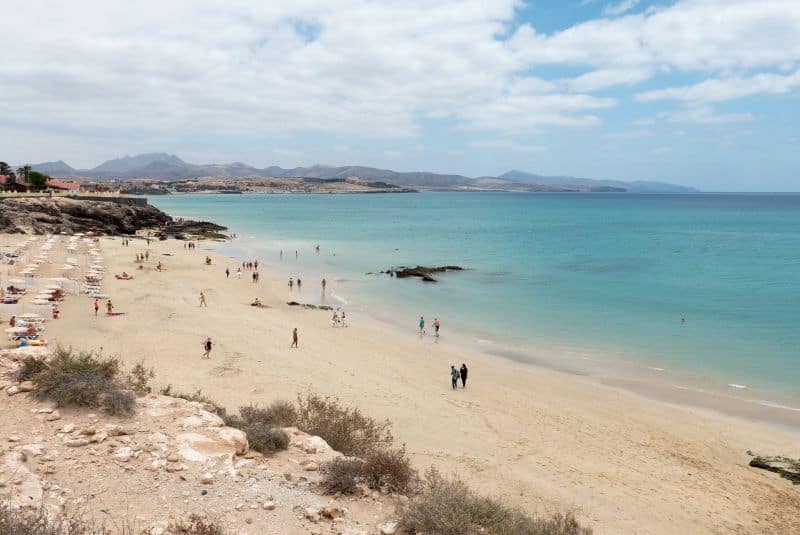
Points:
(138, 379)
(265, 439)
(341, 475)
(83, 378)
(37, 522)
(389, 468)
(345, 429)
(448, 507)
(30, 367)
(279, 413)
(196, 525)
(197, 396)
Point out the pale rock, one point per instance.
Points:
(99, 437)
(115, 430)
(14, 438)
(207, 478)
(27, 386)
(309, 466)
(269, 505)
(69, 428)
(43, 410)
(87, 431)
(52, 417)
(123, 454)
(236, 438)
(173, 457)
(76, 442)
(387, 528)
(11, 390)
(313, 513)
(333, 511)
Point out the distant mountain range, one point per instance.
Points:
(162, 166)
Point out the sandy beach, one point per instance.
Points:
(538, 438)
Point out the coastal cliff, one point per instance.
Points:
(41, 215)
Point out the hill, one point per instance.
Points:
(161, 166)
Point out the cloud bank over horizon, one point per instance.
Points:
(700, 92)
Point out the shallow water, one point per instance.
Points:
(588, 283)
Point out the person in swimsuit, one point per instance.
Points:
(295, 337)
(299, 283)
(207, 346)
(109, 307)
(436, 326)
(96, 306)
(203, 300)
(291, 283)
(421, 326)
(324, 283)
(227, 273)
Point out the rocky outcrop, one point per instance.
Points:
(425, 273)
(309, 306)
(41, 215)
(785, 467)
(193, 230)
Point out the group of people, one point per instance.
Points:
(456, 374)
(339, 320)
(142, 257)
(436, 325)
(190, 245)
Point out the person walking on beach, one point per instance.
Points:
(96, 306)
(203, 300)
(324, 283)
(464, 375)
(295, 338)
(436, 325)
(291, 284)
(238, 273)
(453, 377)
(421, 326)
(227, 273)
(147, 253)
(343, 320)
(109, 307)
(207, 346)
(299, 283)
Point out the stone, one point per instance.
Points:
(288, 476)
(11, 390)
(313, 513)
(207, 478)
(98, 437)
(268, 505)
(309, 466)
(86, 431)
(52, 417)
(387, 528)
(14, 438)
(123, 454)
(173, 457)
(69, 428)
(333, 511)
(27, 386)
(115, 430)
(43, 410)
(76, 442)
(236, 438)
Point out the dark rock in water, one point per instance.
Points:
(41, 215)
(785, 467)
(422, 272)
(309, 306)
(193, 230)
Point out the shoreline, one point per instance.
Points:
(681, 387)
(532, 437)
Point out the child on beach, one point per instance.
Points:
(454, 377)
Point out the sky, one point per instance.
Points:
(703, 93)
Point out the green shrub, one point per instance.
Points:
(196, 525)
(85, 379)
(279, 413)
(448, 507)
(38, 522)
(341, 475)
(345, 429)
(197, 396)
(388, 468)
(138, 379)
(30, 367)
(265, 439)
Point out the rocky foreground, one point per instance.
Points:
(109, 216)
(171, 459)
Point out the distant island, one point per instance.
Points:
(166, 173)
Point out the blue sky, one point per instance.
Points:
(696, 92)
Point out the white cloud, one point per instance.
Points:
(718, 90)
(613, 10)
(661, 150)
(630, 134)
(704, 115)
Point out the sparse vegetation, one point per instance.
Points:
(390, 469)
(31, 366)
(345, 429)
(264, 439)
(279, 413)
(37, 522)
(342, 475)
(447, 506)
(196, 525)
(86, 379)
(197, 396)
(139, 377)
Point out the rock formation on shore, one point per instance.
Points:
(41, 215)
(422, 272)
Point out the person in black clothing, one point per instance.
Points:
(464, 375)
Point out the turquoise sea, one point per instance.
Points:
(591, 284)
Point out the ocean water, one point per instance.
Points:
(593, 284)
